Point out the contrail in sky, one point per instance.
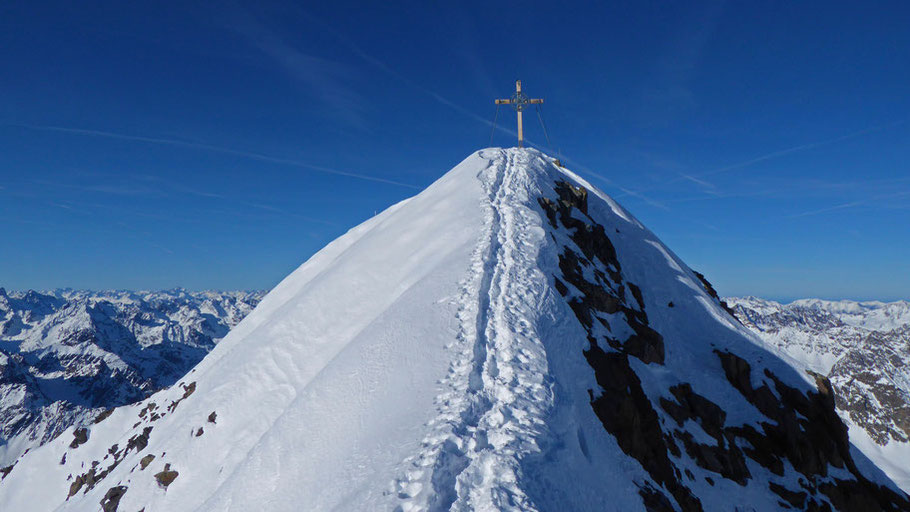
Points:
(696, 179)
(803, 147)
(871, 201)
(217, 149)
(826, 210)
(778, 154)
(644, 198)
(398, 75)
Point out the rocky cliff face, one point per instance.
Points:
(864, 350)
(67, 356)
(804, 438)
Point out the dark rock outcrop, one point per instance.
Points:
(713, 293)
(802, 431)
(80, 436)
(166, 477)
(627, 414)
(139, 441)
(868, 345)
(607, 293)
(806, 432)
(146, 461)
(111, 500)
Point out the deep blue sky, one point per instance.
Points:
(162, 144)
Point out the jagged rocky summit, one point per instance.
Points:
(67, 356)
(864, 349)
(509, 339)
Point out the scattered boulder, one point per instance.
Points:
(139, 441)
(111, 500)
(151, 410)
(75, 486)
(80, 437)
(149, 407)
(87, 479)
(5, 471)
(166, 477)
(187, 391)
(146, 461)
(103, 416)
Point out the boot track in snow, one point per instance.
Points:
(471, 460)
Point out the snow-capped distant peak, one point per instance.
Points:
(872, 315)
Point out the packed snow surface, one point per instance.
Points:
(422, 361)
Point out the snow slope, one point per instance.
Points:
(509, 339)
(66, 356)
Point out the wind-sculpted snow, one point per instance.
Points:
(509, 339)
(67, 356)
(864, 349)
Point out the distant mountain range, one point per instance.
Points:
(864, 349)
(67, 356)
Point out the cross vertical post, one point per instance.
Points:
(519, 102)
(521, 137)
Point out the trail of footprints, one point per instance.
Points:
(494, 370)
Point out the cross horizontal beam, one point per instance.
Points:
(509, 102)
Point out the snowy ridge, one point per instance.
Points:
(493, 409)
(508, 339)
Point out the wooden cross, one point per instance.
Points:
(519, 102)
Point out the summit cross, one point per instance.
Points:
(519, 102)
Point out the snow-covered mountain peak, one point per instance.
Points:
(872, 315)
(508, 339)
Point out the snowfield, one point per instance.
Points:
(508, 339)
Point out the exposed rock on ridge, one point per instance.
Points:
(804, 430)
